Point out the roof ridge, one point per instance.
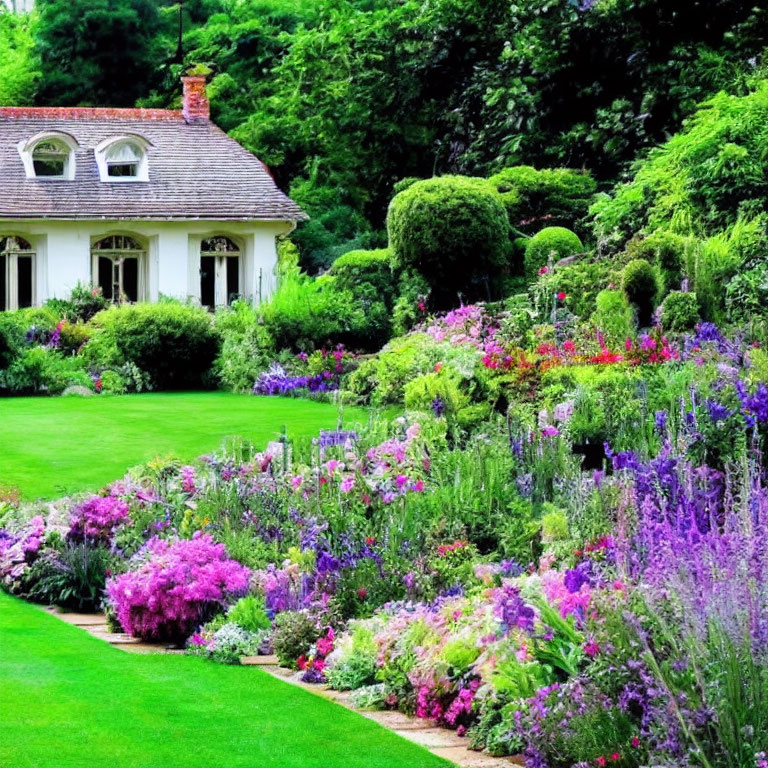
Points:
(101, 113)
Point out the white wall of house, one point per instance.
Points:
(63, 253)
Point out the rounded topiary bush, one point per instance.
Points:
(374, 267)
(680, 311)
(173, 343)
(551, 243)
(664, 249)
(454, 231)
(641, 286)
(613, 317)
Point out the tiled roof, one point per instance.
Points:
(196, 171)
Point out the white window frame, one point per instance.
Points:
(104, 148)
(221, 299)
(27, 147)
(117, 257)
(12, 273)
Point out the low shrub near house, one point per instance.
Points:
(173, 343)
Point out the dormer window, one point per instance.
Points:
(49, 155)
(123, 158)
(49, 158)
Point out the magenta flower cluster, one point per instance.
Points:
(97, 518)
(178, 585)
(17, 551)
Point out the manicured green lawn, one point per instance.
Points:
(68, 700)
(50, 447)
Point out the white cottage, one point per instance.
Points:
(140, 202)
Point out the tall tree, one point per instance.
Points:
(97, 52)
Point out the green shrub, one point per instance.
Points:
(11, 339)
(173, 343)
(294, 634)
(680, 311)
(664, 249)
(372, 267)
(422, 392)
(641, 286)
(703, 179)
(559, 196)
(613, 317)
(42, 370)
(549, 245)
(112, 383)
(580, 282)
(72, 336)
(454, 231)
(746, 295)
(247, 347)
(248, 613)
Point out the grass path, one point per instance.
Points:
(50, 447)
(69, 700)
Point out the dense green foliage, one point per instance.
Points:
(547, 247)
(100, 52)
(174, 344)
(454, 231)
(343, 99)
(641, 287)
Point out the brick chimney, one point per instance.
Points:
(196, 106)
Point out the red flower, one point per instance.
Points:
(615, 756)
(362, 593)
(370, 541)
(438, 367)
(561, 296)
(543, 271)
(422, 306)
(601, 761)
(301, 662)
(635, 741)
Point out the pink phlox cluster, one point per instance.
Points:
(176, 587)
(17, 551)
(97, 518)
(576, 604)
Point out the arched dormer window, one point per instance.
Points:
(123, 158)
(49, 155)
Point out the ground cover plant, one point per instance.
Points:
(58, 678)
(118, 432)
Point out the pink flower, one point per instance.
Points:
(635, 741)
(347, 484)
(601, 761)
(543, 271)
(550, 431)
(591, 649)
(561, 296)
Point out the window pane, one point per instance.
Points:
(123, 169)
(3, 283)
(105, 277)
(131, 279)
(24, 266)
(49, 167)
(208, 281)
(233, 278)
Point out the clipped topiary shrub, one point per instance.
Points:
(11, 339)
(173, 343)
(454, 231)
(373, 267)
(550, 244)
(558, 196)
(680, 311)
(664, 249)
(641, 286)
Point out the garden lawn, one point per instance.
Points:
(50, 447)
(68, 700)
